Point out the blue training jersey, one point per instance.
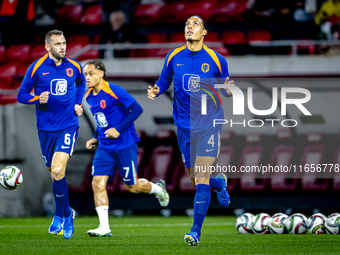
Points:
(194, 73)
(66, 84)
(110, 107)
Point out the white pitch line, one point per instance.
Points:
(130, 225)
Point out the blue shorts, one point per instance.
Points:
(198, 143)
(53, 141)
(106, 160)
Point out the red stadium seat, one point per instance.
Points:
(37, 52)
(69, 14)
(146, 13)
(156, 37)
(200, 8)
(313, 181)
(160, 162)
(184, 182)
(92, 16)
(18, 53)
(173, 13)
(87, 178)
(283, 181)
(73, 48)
(6, 99)
(222, 50)
(233, 37)
(228, 10)
(259, 35)
(212, 37)
(2, 53)
(78, 38)
(7, 73)
(252, 157)
(177, 37)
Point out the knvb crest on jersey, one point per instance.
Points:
(69, 72)
(191, 82)
(205, 67)
(101, 119)
(58, 87)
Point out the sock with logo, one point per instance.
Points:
(103, 215)
(67, 209)
(215, 183)
(201, 204)
(60, 195)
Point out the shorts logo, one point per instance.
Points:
(69, 72)
(58, 87)
(44, 158)
(205, 67)
(191, 82)
(101, 119)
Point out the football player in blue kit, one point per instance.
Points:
(194, 69)
(115, 110)
(59, 87)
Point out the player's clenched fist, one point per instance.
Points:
(153, 92)
(78, 109)
(91, 143)
(44, 97)
(112, 133)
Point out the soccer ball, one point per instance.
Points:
(316, 224)
(333, 214)
(261, 223)
(279, 214)
(296, 224)
(10, 177)
(278, 224)
(332, 224)
(244, 223)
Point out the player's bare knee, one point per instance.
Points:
(98, 183)
(58, 173)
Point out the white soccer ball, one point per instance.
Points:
(296, 224)
(261, 223)
(332, 225)
(244, 223)
(333, 214)
(278, 224)
(279, 214)
(10, 177)
(316, 224)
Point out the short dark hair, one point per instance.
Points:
(52, 32)
(98, 65)
(205, 25)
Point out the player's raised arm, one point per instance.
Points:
(231, 83)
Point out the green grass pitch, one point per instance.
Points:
(154, 235)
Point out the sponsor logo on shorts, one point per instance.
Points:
(65, 147)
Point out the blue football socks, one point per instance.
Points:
(60, 196)
(216, 183)
(201, 204)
